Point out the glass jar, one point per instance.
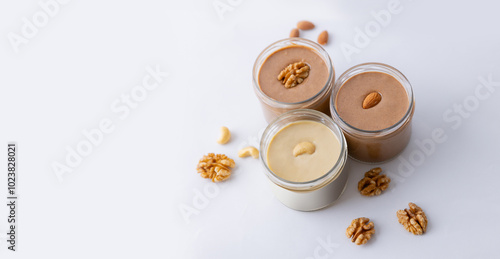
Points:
(378, 145)
(315, 194)
(320, 101)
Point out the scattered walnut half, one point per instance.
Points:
(413, 219)
(373, 183)
(216, 167)
(294, 74)
(360, 231)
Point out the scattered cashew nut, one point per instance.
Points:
(248, 151)
(303, 148)
(225, 135)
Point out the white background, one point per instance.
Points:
(124, 199)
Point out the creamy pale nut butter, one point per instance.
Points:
(382, 130)
(305, 167)
(304, 154)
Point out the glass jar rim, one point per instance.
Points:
(302, 42)
(372, 67)
(319, 182)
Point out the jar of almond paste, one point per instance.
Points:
(313, 91)
(304, 155)
(373, 104)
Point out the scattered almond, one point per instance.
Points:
(323, 38)
(294, 33)
(371, 100)
(305, 25)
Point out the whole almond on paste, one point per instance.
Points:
(305, 25)
(371, 100)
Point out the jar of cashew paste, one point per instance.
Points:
(304, 155)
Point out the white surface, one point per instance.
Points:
(124, 199)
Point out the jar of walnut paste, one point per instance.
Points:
(304, 155)
(274, 72)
